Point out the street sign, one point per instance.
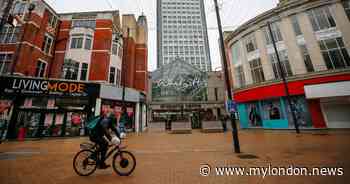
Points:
(231, 106)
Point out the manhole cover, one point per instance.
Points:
(247, 156)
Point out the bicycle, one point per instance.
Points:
(85, 161)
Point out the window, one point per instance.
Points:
(307, 58)
(47, 43)
(335, 53)
(346, 5)
(84, 23)
(118, 77)
(250, 43)
(114, 48)
(321, 18)
(216, 94)
(112, 75)
(276, 32)
(76, 42)
(40, 69)
(296, 26)
(284, 62)
(88, 42)
(257, 70)
(70, 69)
(9, 34)
(239, 74)
(235, 52)
(5, 63)
(83, 71)
(52, 20)
(19, 8)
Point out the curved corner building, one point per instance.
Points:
(313, 41)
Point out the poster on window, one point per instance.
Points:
(301, 111)
(254, 115)
(272, 109)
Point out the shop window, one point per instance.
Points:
(40, 102)
(296, 26)
(321, 18)
(257, 71)
(307, 58)
(47, 44)
(276, 33)
(284, 62)
(40, 69)
(254, 115)
(84, 71)
(5, 63)
(346, 5)
(8, 34)
(112, 75)
(272, 109)
(301, 111)
(250, 43)
(334, 53)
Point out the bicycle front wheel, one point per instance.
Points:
(124, 163)
(84, 162)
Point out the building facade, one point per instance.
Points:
(313, 41)
(66, 68)
(182, 32)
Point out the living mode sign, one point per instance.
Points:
(45, 87)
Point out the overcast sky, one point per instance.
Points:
(233, 13)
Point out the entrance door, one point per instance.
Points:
(337, 114)
(32, 123)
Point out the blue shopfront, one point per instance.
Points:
(274, 113)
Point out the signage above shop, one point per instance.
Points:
(35, 86)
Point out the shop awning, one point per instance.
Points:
(334, 89)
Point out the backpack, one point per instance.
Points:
(91, 125)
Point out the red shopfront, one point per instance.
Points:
(296, 88)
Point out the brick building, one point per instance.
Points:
(77, 49)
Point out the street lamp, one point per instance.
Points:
(283, 76)
(228, 85)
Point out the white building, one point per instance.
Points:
(182, 32)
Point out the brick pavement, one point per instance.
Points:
(175, 158)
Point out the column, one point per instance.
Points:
(265, 60)
(343, 22)
(294, 55)
(137, 117)
(312, 43)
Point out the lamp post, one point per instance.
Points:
(228, 85)
(21, 36)
(281, 71)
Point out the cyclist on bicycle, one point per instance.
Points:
(102, 129)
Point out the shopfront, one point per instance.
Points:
(334, 100)
(46, 108)
(274, 113)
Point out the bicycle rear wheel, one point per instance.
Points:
(84, 162)
(124, 163)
